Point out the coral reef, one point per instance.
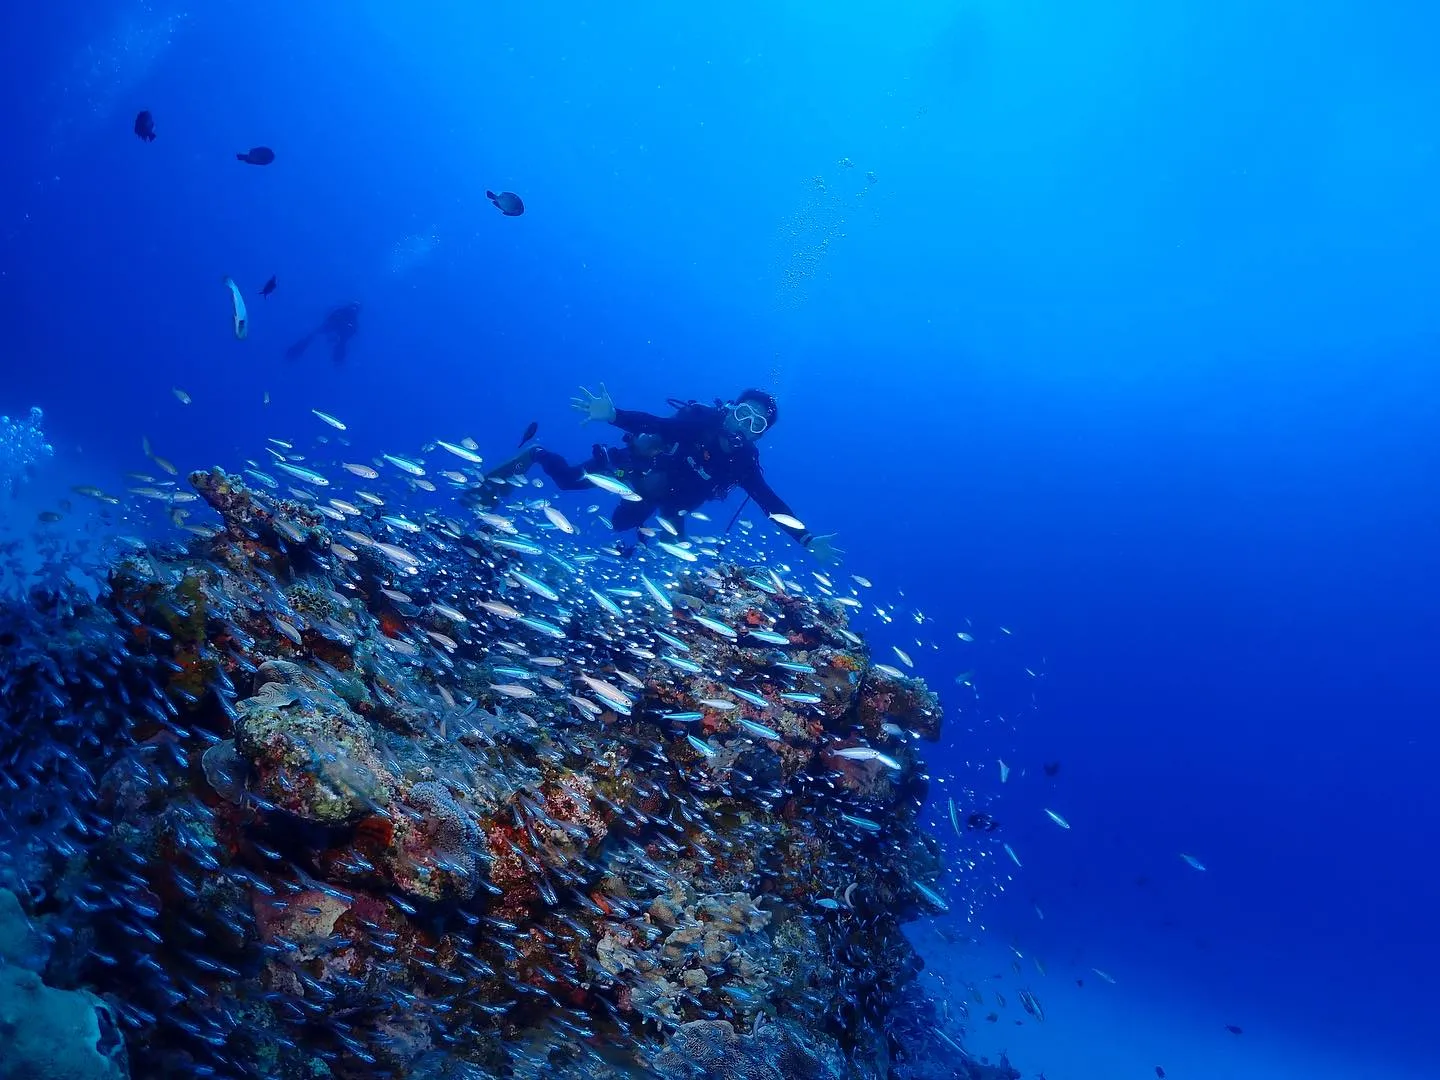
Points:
(335, 795)
(45, 1033)
(50, 1034)
(710, 1050)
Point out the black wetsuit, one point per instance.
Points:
(697, 462)
(339, 326)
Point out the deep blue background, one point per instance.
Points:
(1130, 346)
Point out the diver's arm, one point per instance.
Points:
(669, 428)
(601, 407)
(764, 497)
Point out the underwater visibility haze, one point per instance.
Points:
(1025, 663)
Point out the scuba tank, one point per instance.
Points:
(691, 409)
(648, 447)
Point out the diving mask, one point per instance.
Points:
(748, 417)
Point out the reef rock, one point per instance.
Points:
(711, 1050)
(416, 797)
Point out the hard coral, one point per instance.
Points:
(433, 858)
(318, 760)
(711, 1050)
(905, 701)
(49, 1034)
(311, 852)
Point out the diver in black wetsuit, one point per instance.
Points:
(338, 326)
(676, 463)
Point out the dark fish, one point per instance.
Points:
(257, 155)
(1160, 1072)
(145, 125)
(978, 819)
(1233, 1030)
(1032, 1005)
(1051, 768)
(269, 286)
(529, 432)
(508, 202)
(49, 516)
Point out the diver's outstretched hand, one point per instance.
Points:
(595, 406)
(825, 549)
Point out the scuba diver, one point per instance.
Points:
(676, 464)
(338, 326)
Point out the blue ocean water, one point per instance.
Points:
(1104, 336)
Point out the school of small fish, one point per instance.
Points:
(463, 772)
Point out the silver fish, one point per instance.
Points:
(719, 627)
(460, 452)
(405, 465)
(237, 307)
(868, 753)
(613, 486)
(310, 476)
(758, 730)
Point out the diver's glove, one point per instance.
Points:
(825, 549)
(595, 406)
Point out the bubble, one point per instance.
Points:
(108, 68)
(804, 240)
(413, 251)
(22, 448)
(94, 86)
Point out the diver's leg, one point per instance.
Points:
(566, 477)
(297, 350)
(605, 461)
(518, 465)
(631, 515)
